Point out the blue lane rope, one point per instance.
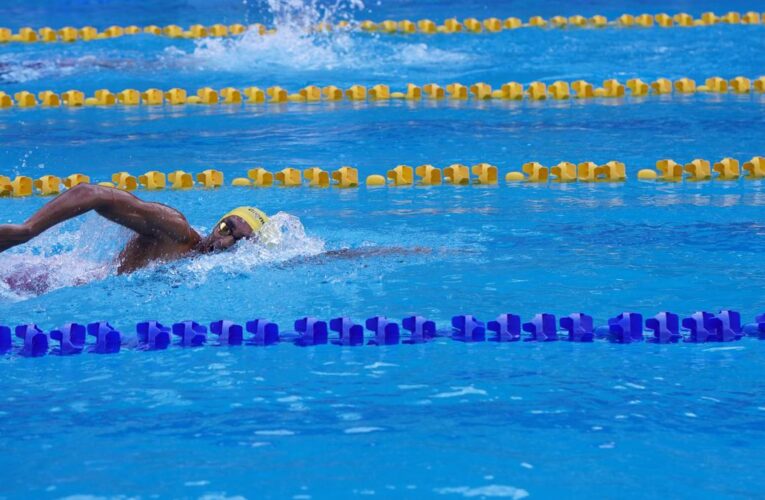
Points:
(626, 328)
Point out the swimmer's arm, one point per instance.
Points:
(153, 220)
(146, 218)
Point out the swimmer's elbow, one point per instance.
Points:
(94, 196)
(85, 190)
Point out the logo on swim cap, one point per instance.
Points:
(254, 217)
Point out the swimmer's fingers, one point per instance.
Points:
(12, 235)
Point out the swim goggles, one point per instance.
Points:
(224, 229)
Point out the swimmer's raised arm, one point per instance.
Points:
(152, 220)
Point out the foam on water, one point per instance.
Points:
(65, 256)
(283, 238)
(308, 13)
(295, 46)
(61, 257)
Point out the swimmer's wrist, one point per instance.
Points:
(25, 232)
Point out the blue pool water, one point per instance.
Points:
(439, 419)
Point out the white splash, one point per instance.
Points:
(288, 50)
(61, 258)
(727, 348)
(296, 45)
(461, 391)
(492, 490)
(306, 14)
(362, 430)
(66, 257)
(283, 238)
(275, 432)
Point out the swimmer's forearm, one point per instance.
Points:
(152, 220)
(68, 205)
(12, 235)
(71, 203)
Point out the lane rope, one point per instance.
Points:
(667, 170)
(510, 91)
(625, 328)
(469, 25)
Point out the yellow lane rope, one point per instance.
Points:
(405, 26)
(727, 169)
(579, 89)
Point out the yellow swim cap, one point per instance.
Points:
(255, 218)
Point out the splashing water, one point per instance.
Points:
(67, 256)
(283, 238)
(61, 257)
(296, 46)
(304, 15)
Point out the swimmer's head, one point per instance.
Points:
(240, 223)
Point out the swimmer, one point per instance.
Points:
(162, 233)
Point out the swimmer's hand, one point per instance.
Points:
(12, 235)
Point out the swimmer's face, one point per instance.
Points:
(227, 232)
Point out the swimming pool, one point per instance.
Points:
(442, 418)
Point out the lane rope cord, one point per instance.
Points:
(625, 328)
(481, 91)
(469, 25)
(483, 174)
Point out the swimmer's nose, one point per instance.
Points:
(221, 244)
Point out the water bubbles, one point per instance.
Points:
(297, 46)
(283, 238)
(305, 14)
(61, 258)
